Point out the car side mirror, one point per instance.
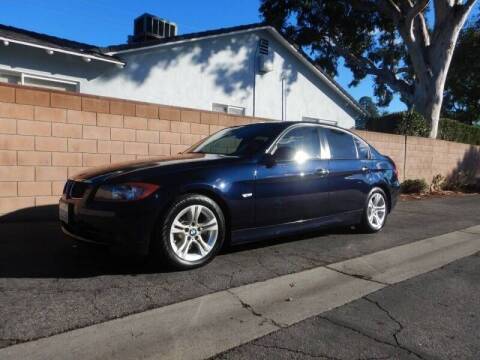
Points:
(268, 160)
(284, 153)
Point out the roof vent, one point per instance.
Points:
(148, 27)
(265, 57)
(264, 46)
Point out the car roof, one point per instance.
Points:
(285, 124)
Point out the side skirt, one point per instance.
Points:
(254, 234)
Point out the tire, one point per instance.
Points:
(181, 242)
(371, 223)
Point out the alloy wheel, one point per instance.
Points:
(194, 232)
(376, 211)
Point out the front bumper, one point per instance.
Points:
(127, 227)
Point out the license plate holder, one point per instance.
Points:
(64, 210)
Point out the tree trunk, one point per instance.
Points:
(439, 58)
(428, 102)
(431, 55)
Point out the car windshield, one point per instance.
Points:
(238, 141)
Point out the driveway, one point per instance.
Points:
(50, 285)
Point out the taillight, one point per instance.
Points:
(395, 170)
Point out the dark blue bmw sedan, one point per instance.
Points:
(240, 184)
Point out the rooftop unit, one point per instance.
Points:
(148, 27)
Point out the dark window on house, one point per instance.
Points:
(10, 78)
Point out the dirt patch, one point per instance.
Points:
(430, 195)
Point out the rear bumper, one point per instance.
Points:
(127, 229)
(394, 194)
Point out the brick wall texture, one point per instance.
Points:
(46, 136)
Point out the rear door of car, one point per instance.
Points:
(349, 169)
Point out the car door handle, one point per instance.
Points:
(364, 169)
(322, 172)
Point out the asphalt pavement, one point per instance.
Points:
(432, 316)
(49, 284)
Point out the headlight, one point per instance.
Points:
(125, 192)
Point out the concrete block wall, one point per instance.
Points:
(391, 145)
(46, 136)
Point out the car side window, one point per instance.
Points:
(300, 143)
(342, 145)
(363, 150)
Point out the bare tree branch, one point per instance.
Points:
(389, 9)
(416, 9)
(384, 75)
(441, 50)
(417, 28)
(442, 8)
(424, 29)
(394, 5)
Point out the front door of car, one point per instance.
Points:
(349, 171)
(292, 184)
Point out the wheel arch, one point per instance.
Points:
(212, 194)
(386, 190)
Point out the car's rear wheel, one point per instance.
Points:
(375, 212)
(192, 232)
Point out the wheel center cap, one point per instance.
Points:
(193, 232)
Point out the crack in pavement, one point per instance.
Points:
(357, 276)
(208, 287)
(300, 352)
(390, 316)
(256, 313)
(399, 329)
(380, 341)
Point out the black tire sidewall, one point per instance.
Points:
(163, 238)
(365, 223)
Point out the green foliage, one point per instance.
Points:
(453, 130)
(330, 30)
(402, 123)
(413, 124)
(369, 106)
(374, 38)
(462, 89)
(462, 181)
(438, 183)
(414, 186)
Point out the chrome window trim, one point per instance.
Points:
(324, 144)
(354, 136)
(271, 149)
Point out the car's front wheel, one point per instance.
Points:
(375, 212)
(192, 232)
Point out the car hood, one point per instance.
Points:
(118, 169)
